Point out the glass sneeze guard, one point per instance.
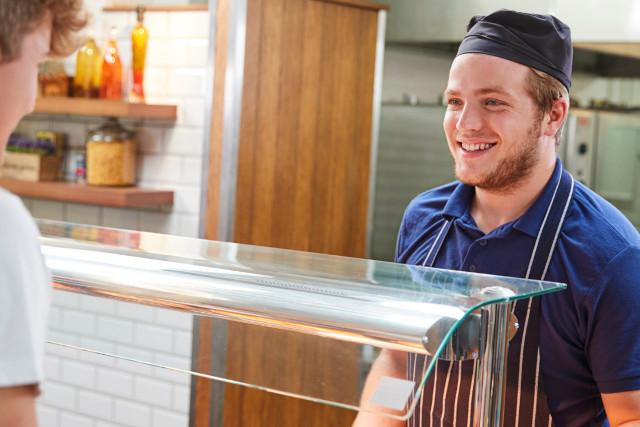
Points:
(355, 306)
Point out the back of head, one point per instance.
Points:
(20, 17)
(31, 31)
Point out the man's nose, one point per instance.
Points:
(470, 118)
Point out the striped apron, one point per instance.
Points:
(448, 397)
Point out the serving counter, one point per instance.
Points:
(361, 306)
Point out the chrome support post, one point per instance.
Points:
(492, 371)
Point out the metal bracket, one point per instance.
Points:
(465, 342)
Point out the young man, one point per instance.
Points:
(30, 30)
(514, 211)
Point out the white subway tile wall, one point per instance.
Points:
(84, 389)
(70, 420)
(47, 417)
(85, 386)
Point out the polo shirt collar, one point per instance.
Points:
(529, 223)
(459, 202)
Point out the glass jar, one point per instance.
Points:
(111, 155)
(52, 79)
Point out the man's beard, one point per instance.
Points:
(514, 169)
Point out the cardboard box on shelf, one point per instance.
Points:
(31, 167)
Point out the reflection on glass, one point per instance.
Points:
(345, 309)
(158, 2)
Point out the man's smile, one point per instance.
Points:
(476, 147)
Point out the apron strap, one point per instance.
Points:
(550, 228)
(526, 400)
(430, 259)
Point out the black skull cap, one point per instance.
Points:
(542, 42)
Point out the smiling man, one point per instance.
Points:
(30, 30)
(515, 211)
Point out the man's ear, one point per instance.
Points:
(555, 118)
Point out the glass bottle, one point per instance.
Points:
(86, 82)
(111, 87)
(139, 38)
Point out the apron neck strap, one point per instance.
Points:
(550, 228)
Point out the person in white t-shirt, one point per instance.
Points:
(30, 31)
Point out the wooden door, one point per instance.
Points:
(303, 176)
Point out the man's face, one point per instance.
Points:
(18, 79)
(492, 125)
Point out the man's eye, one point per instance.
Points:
(493, 102)
(454, 101)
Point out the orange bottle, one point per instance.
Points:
(111, 87)
(139, 38)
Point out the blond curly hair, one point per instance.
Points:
(19, 17)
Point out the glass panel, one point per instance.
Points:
(340, 307)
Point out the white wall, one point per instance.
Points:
(88, 390)
(414, 70)
(424, 72)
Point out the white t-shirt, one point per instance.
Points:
(25, 292)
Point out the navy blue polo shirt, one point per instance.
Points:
(590, 333)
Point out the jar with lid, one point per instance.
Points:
(111, 155)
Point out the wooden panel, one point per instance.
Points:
(306, 129)
(104, 107)
(249, 128)
(310, 90)
(119, 197)
(303, 179)
(202, 396)
(364, 4)
(217, 121)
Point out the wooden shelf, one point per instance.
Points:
(104, 107)
(119, 197)
(150, 8)
(362, 4)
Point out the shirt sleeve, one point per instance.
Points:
(24, 296)
(613, 345)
